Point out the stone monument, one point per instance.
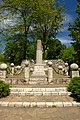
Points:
(38, 76)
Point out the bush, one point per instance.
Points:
(4, 89)
(74, 87)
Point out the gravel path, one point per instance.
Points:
(68, 113)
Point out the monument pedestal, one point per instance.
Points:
(38, 76)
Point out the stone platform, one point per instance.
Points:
(39, 97)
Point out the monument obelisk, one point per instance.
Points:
(39, 52)
(38, 73)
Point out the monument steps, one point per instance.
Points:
(39, 91)
(39, 97)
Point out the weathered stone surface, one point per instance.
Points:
(54, 93)
(75, 103)
(11, 104)
(50, 89)
(38, 93)
(18, 104)
(64, 93)
(14, 93)
(67, 104)
(26, 104)
(20, 89)
(74, 66)
(74, 74)
(4, 103)
(28, 89)
(41, 104)
(46, 93)
(22, 93)
(58, 104)
(36, 89)
(33, 104)
(49, 104)
(3, 66)
(43, 89)
(29, 93)
(39, 52)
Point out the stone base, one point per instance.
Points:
(38, 70)
(74, 74)
(38, 80)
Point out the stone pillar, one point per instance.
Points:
(26, 72)
(39, 52)
(66, 69)
(60, 69)
(74, 70)
(3, 71)
(12, 69)
(50, 72)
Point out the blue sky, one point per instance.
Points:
(70, 16)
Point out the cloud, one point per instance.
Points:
(64, 28)
(67, 19)
(65, 40)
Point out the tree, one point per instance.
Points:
(54, 49)
(75, 33)
(31, 19)
(19, 11)
(14, 52)
(47, 21)
(68, 54)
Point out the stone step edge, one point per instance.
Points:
(39, 93)
(40, 104)
(57, 89)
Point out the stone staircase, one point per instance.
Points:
(39, 97)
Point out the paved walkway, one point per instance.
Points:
(68, 113)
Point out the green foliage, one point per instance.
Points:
(74, 87)
(14, 52)
(1, 58)
(75, 33)
(39, 19)
(68, 54)
(4, 89)
(54, 49)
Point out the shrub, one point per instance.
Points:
(4, 89)
(74, 87)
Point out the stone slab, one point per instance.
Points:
(67, 104)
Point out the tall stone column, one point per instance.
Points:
(38, 76)
(39, 52)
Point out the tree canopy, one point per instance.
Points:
(29, 20)
(68, 54)
(75, 33)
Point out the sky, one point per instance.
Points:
(70, 16)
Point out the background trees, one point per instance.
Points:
(68, 54)
(75, 34)
(54, 49)
(27, 21)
